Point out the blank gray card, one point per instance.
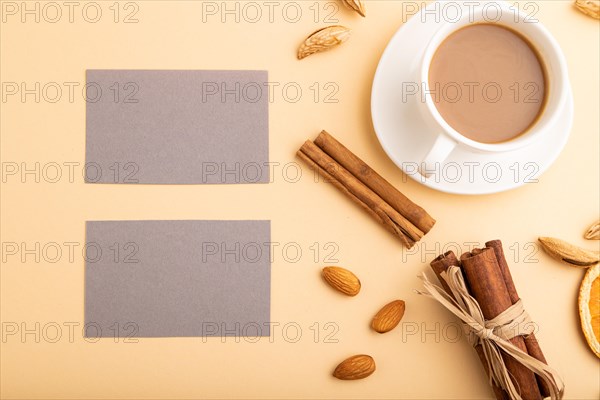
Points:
(177, 278)
(177, 126)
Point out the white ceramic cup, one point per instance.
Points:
(556, 82)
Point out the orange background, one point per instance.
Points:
(418, 360)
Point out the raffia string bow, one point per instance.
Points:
(493, 334)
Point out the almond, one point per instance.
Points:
(341, 279)
(389, 316)
(322, 40)
(589, 7)
(568, 253)
(355, 367)
(593, 232)
(356, 5)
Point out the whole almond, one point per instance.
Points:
(593, 232)
(568, 253)
(589, 7)
(389, 316)
(356, 5)
(322, 40)
(342, 280)
(355, 367)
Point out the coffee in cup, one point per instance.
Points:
(522, 77)
(488, 81)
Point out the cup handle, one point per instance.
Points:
(441, 149)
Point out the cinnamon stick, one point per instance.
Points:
(531, 343)
(357, 167)
(488, 287)
(341, 187)
(439, 265)
(391, 219)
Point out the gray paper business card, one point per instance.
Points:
(177, 126)
(177, 278)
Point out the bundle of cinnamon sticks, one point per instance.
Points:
(489, 281)
(367, 188)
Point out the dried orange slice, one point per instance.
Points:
(589, 307)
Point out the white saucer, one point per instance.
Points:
(406, 138)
